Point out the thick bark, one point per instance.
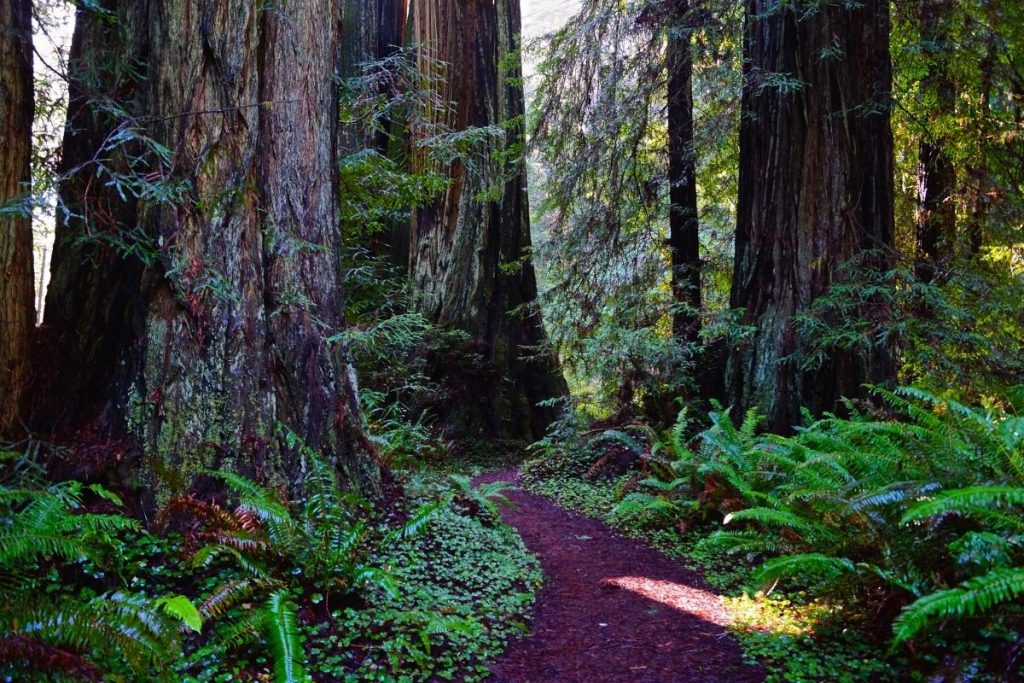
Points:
(17, 310)
(816, 189)
(684, 242)
(197, 353)
(375, 30)
(459, 244)
(936, 176)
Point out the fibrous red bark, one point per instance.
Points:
(17, 309)
(816, 190)
(197, 322)
(469, 250)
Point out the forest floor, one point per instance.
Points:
(612, 609)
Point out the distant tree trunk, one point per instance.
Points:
(193, 354)
(816, 189)
(978, 171)
(936, 176)
(469, 254)
(683, 240)
(17, 310)
(375, 30)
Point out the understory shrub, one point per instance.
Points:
(915, 517)
(108, 629)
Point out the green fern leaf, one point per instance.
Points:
(182, 609)
(974, 596)
(806, 563)
(283, 633)
(965, 501)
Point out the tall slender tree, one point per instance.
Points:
(684, 241)
(196, 292)
(936, 177)
(17, 309)
(816, 190)
(469, 250)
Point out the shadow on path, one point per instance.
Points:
(612, 610)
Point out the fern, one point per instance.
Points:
(263, 503)
(417, 522)
(734, 542)
(278, 549)
(620, 437)
(182, 609)
(642, 506)
(487, 496)
(44, 523)
(664, 486)
(435, 624)
(283, 631)
(807, 563)
(782, 518)
(965, 501)
(230, 593)
(974, 596)
(677, 436)
(134, 629)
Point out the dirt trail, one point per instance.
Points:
(612, 610)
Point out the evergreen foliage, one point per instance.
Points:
(853, 505)
(47, 525)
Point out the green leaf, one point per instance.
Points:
(182, 609)
(106, 494)
(790, 565)
(283, 633)
(973, 596)
(965, 500)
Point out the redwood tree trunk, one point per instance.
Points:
(375, 30)
(684, 242)
(978, 170)
(194, 354)
(936, 176)
(816, 189)
(459, 245)
(17, 309)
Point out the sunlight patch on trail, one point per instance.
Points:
(695, 601)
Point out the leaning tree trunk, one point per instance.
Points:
(194, 324)
(17, 310)
(816, 189)
(684, 242)
(469, 251)
(936, 175)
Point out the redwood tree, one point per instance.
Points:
(17, 310)
(816, 190)
(684, 242)
(936, 176)
(196, 289)
(373, 30)
(469, 250)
